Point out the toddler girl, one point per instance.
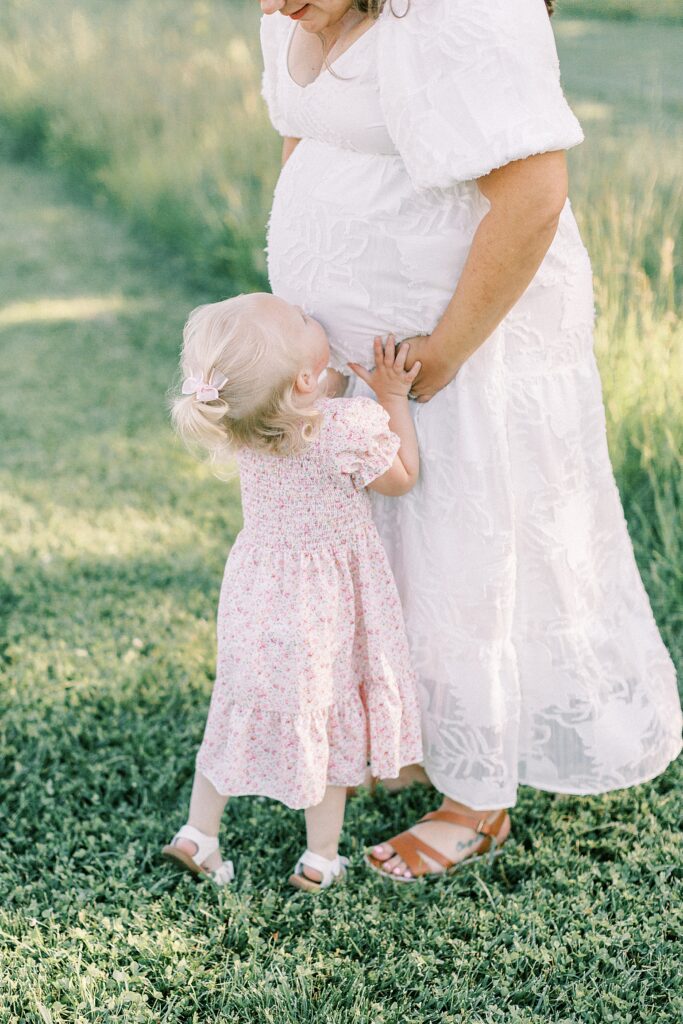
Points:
(313, 677)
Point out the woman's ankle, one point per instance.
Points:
(457, 808)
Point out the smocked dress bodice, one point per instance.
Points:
(311, 500)
(313, 680)
(314, 111)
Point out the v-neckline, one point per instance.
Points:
(326, 68)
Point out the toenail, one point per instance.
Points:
(379, 849)
(397, 871)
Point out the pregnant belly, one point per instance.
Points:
(351, 241)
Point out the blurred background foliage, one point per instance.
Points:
(154, 107)
(626, 10)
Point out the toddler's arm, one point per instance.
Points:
(391, 382)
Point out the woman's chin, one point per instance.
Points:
(312, 21)
(305, 15)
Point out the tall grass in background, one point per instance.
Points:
(625, 10)
(629, 203)
(155, 105)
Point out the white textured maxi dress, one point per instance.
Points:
(537, 654)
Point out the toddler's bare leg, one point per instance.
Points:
(206, 806)
(206, 811)
(323, 826)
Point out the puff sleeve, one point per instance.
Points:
(274, 34)
(362, 444)
(470, 85)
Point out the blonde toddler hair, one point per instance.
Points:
(241, 344)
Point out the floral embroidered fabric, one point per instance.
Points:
(537, 654)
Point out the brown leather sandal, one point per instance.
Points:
(410, 848)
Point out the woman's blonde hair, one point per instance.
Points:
(244, 341)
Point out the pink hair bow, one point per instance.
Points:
(205, 390)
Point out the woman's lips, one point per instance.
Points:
(300, 13)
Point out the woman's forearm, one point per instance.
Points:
(507, 250)
(502, 262)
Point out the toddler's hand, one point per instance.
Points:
(389, 378)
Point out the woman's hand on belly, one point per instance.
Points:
(436, 373)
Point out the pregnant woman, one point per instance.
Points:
(424, 193)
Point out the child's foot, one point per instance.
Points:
(314, 873)
(213, 861)
(198, 853)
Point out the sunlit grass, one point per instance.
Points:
(157, 108)
(114, 541)
(82, 307)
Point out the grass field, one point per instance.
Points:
(114, 543)
(155, 108)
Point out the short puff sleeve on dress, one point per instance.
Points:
(362, 444)
(274, 32)
(471, 85)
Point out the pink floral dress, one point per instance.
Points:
(313, 681)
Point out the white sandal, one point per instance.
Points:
(206, 845)
(331, 870)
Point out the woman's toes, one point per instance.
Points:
(382, 852)
(402, 870)
(390, 861)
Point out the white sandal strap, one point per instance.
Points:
(329, 869)
(224, 874)
(206, 845)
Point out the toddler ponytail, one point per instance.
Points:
(238, 388)
(202, 425)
